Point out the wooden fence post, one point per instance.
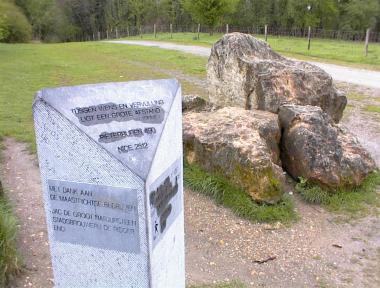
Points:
(171, 31)
(154, 31)
(266, 32)
(199, 30)
(227, 29)
(366, 41)
(308, 38)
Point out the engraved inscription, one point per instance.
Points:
(133, 147)
(146, 112)
(94, 215)
(109, 137)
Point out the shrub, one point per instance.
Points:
(14, 26)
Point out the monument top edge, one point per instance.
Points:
(170, 84)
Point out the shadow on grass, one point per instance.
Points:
(224, 193)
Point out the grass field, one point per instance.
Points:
(26, 68)
(325, 50)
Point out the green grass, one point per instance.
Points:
(372, 108)
(26, 68)
(356, 96)
(233, 284)
(224, 193)
(326, 50)
(10, 262)
(355, 202)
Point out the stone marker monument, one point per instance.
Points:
(110, 157)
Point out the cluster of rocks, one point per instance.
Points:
(267, 113)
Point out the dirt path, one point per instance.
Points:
(22, 182)
(220, 246)
(339, 73)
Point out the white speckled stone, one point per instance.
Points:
(77, 153)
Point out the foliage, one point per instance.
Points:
(315, 13)
(14, 26)
(68, 20)
(360, 14)
(10, 262)
(223, 192)
(3, 26)
(287, 13)
(209, 12)
(353, 201)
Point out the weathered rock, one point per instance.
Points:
(245, 72)
(314, 147)
(194, 103)
(239, 144)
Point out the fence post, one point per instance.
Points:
(366, 41)
(266, 32)
(227, 29)
(117, 33)
(308, 38)
(199, 30)
(154, 30)
(171, 31)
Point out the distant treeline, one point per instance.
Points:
(68, 20)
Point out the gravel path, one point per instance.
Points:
(219, 245)
(363, 124)
(339, 73)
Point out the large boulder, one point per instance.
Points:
(241, 145)
(194, 103)
(245, 72)
(314, 147)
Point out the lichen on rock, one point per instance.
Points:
(245, 72)
(239, 144)
(325, 153)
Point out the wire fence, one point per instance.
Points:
(355, 36)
